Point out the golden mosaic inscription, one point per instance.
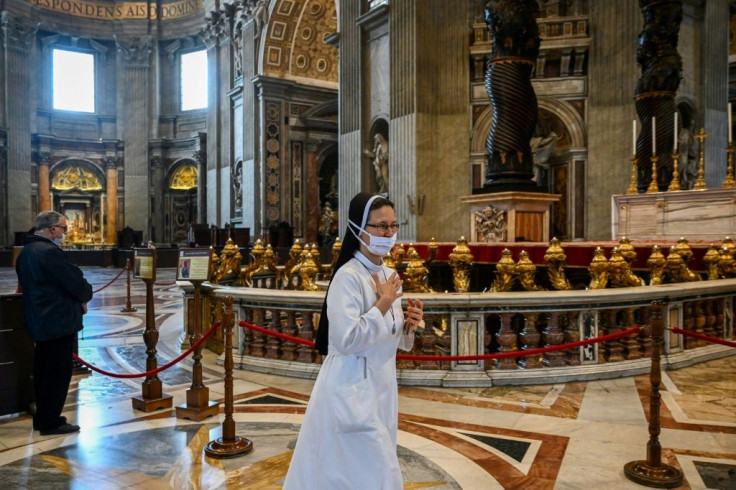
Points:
(121, 10)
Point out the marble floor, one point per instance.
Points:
(567, 436)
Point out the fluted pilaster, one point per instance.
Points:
(18, 37)
(350, 137)
(714, 52)
(135, 56)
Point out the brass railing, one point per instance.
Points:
(481, 323)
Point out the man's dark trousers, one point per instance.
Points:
(52, 372)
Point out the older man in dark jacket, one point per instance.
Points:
(55, 296)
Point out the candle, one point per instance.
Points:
(633, 139)
(654, 136)
(730, 125)
(676, 132)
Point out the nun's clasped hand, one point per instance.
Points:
(414, 315)
(387, 292)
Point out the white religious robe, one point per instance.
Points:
(348, 436)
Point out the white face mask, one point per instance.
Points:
(380, 245)
(59, 241)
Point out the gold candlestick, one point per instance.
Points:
(729, 183)
(653, 187)
(700, 181)
(675, 184)
(632, 184)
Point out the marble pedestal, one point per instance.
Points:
(697, 215)
(527, 215)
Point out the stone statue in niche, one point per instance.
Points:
(237, 43)
(687, 164)
(327, 220)
(238, 188)
(260, 16)
(542, 149)
(380, 161)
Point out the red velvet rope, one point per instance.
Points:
(714, 340)
(523, 353)
(526, 352)
(111, 281)
(153, 372)
(272, 333)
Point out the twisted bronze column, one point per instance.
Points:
(513, 28)
(661, 71)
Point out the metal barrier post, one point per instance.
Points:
(652, 472)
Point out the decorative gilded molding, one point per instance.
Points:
(75, 177)
(185, 177)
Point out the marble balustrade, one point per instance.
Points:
(481, 323)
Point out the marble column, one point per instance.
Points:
(513, 27)
(44, 186)
(201, 157)
(18, 36)
(157, 199)
(311, 186)
(661, 70)
(111, 191)
(607, 168)
(213, 32)
(135, 55)
(714, 53)
(249, 144)
(350, 101)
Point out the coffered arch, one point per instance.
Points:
(293, 44)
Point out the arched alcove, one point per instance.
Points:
(180, 199)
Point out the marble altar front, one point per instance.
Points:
(696, 214)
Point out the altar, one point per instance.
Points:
(695, 214)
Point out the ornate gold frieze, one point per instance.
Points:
(112, 11)
(75, 177)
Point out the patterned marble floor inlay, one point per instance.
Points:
(575, 436)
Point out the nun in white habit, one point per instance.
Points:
(348, 436)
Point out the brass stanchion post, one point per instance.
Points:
(152, 397)
(128, 307)
(652, 472)
(198, 406)
(229, 445)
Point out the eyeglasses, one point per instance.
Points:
(62, 227)
(384, 227)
